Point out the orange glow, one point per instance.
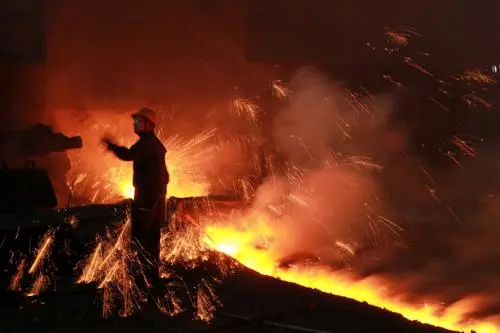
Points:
(110, 179)
(240, 243)
(250, 238)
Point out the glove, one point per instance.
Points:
(108, 143)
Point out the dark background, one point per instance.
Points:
(66, 54)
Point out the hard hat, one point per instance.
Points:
(146, 113)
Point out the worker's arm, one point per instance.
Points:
(123, 153)
(133, 153)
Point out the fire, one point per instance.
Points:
(240, 244)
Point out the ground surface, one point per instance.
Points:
(250, 302)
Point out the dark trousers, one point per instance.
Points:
(148, 214)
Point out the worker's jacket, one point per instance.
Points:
(150, 171)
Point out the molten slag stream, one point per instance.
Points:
(239, 244)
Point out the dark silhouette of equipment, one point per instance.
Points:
(24, 187)
(25, 190)
(37, 140)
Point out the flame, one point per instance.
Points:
(240, 244)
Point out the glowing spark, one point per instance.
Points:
(110, 180)
(464, 146)
(400, 36)
(476, 76)
(346, 247)
(279, 89)
(15, 283)
(39, 285)
(391, 80)
(418, 67)
(473, 100)
(438, 103)
(206, 302)
(245, 107)
(42, 252)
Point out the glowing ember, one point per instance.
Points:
(245, 107)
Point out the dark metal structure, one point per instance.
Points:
(30, 188)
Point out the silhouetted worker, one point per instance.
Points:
(150, 182)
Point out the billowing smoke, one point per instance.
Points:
(328, 190)
(349, 181)
(452, 244)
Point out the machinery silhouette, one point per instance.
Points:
(24, 187)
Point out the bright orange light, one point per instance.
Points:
(98, 176)
(240, 243)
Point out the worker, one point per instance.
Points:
(150, 181)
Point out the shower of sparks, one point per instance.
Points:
(246, 108)
(113, 265)
(39, 285)
(206, 302)
(412, 63)
(392, 80)
(15, 283)
(36, 269)
(476, 76)
(472, 100)
(400, 36)
(43, 252)
(111, 180)
(279, 89)
(464, 146)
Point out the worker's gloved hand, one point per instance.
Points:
(108, 143)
